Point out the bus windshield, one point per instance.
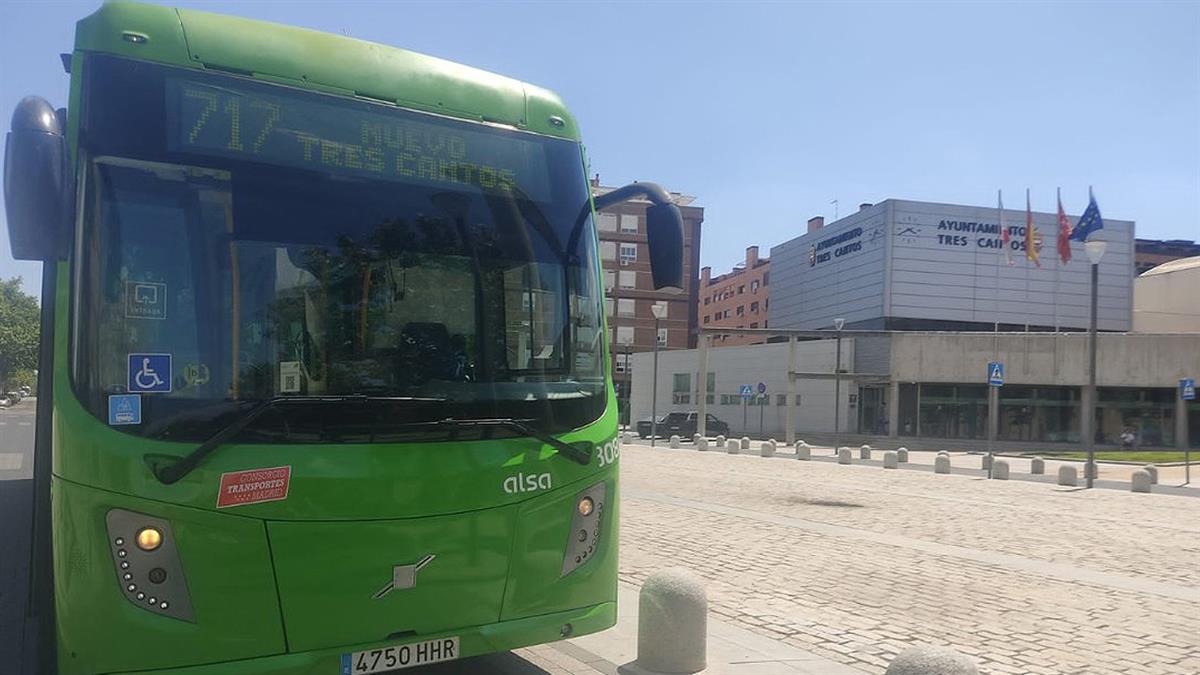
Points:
(244, 241)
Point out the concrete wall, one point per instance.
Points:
(1123, 359)
(735, 366)
(1167, 299)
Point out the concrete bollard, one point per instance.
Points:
(672, 623)
(767, 449)
(674, 442)
(696, 438)
(986, 462)
(1067, 475)
(720, 440)
(844, 456)
(803, 451)
(902, 455)
(1140, 481)
(1000, 469)
(864, 452)
(702, 444)
(625, 438)
(1153, 471)
(745, 442)
(927, 660)
(890, 460)
(941, 464)
(1037, 466)
(732, 446)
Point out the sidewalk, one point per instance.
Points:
(731, 650)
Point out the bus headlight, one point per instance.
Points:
(584, 536)
(149, 539)
(149, 571)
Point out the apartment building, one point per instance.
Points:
(629, 288)
(736, 299)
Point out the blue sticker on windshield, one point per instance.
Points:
(150, 373)
(125, 409)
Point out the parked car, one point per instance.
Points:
(14, 396)
(26, 390)
(682, 424)
(5, 401)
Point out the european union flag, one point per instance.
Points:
(1089, 222)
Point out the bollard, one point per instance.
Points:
(745, 442)
(674, 442)
(1000, 469)
(732, 446)
(986, 462)
(803, 451)
(1067, 475)
(1153, 471)
(1037, 466)
(941, 464)
(927, 660)
(844, 456)
(720, 441)
(864, 452)
(702, 444)
(902, 455)
(767, 449)
(625, 438)
(943, 453)
(672, 623)
(1140, 481)
(890, 460)
(696, 438)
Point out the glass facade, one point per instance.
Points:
(952, 411)
(1148, 413)
(1039, 413)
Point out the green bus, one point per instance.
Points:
(324, 378)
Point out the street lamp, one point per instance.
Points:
(660, 312)
(837, 387)
(1095, 251)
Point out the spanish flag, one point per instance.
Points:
(1032, 241)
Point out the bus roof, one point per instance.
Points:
(321, 62)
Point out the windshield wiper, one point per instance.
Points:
(581, 453)
(171, 472)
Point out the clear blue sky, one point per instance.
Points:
(767, 112)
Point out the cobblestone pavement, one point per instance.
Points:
(854, 563)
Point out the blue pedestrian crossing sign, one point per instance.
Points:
(746, 391)
(996, 373)
(1187, 389)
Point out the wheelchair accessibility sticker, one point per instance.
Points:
(150, 373)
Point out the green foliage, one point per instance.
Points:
(19, 329)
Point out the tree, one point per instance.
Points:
(19, 329)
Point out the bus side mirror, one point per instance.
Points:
(35, 180)
(664, 236)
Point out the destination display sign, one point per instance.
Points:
(302, 130)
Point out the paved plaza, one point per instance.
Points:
(854, 563)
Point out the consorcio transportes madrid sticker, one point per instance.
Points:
(239, 488)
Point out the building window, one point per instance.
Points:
(725, 315)
(754, 286)
(625, 335)
(629, 223)
(766, 278)
(662, 337)
(627, 279)
(665, 311)
(741, 309)
(608, 250)
(754, 306)
(781, 399)
(741, 289)
(628, 253)
(624, 363)
(610, 280)
(730, 399)
(754, 324)
(681, 382)
(626, 307)
(606, 222)
(705, 318)
(707, 300)
(766, 304)
(681, 399)
(608, 307)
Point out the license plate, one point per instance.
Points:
(396, 657)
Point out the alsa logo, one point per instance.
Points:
(609, 452)
(526, 483)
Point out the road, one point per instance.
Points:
(854, 563)
(16, 440)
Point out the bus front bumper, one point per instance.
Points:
(473, 641)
